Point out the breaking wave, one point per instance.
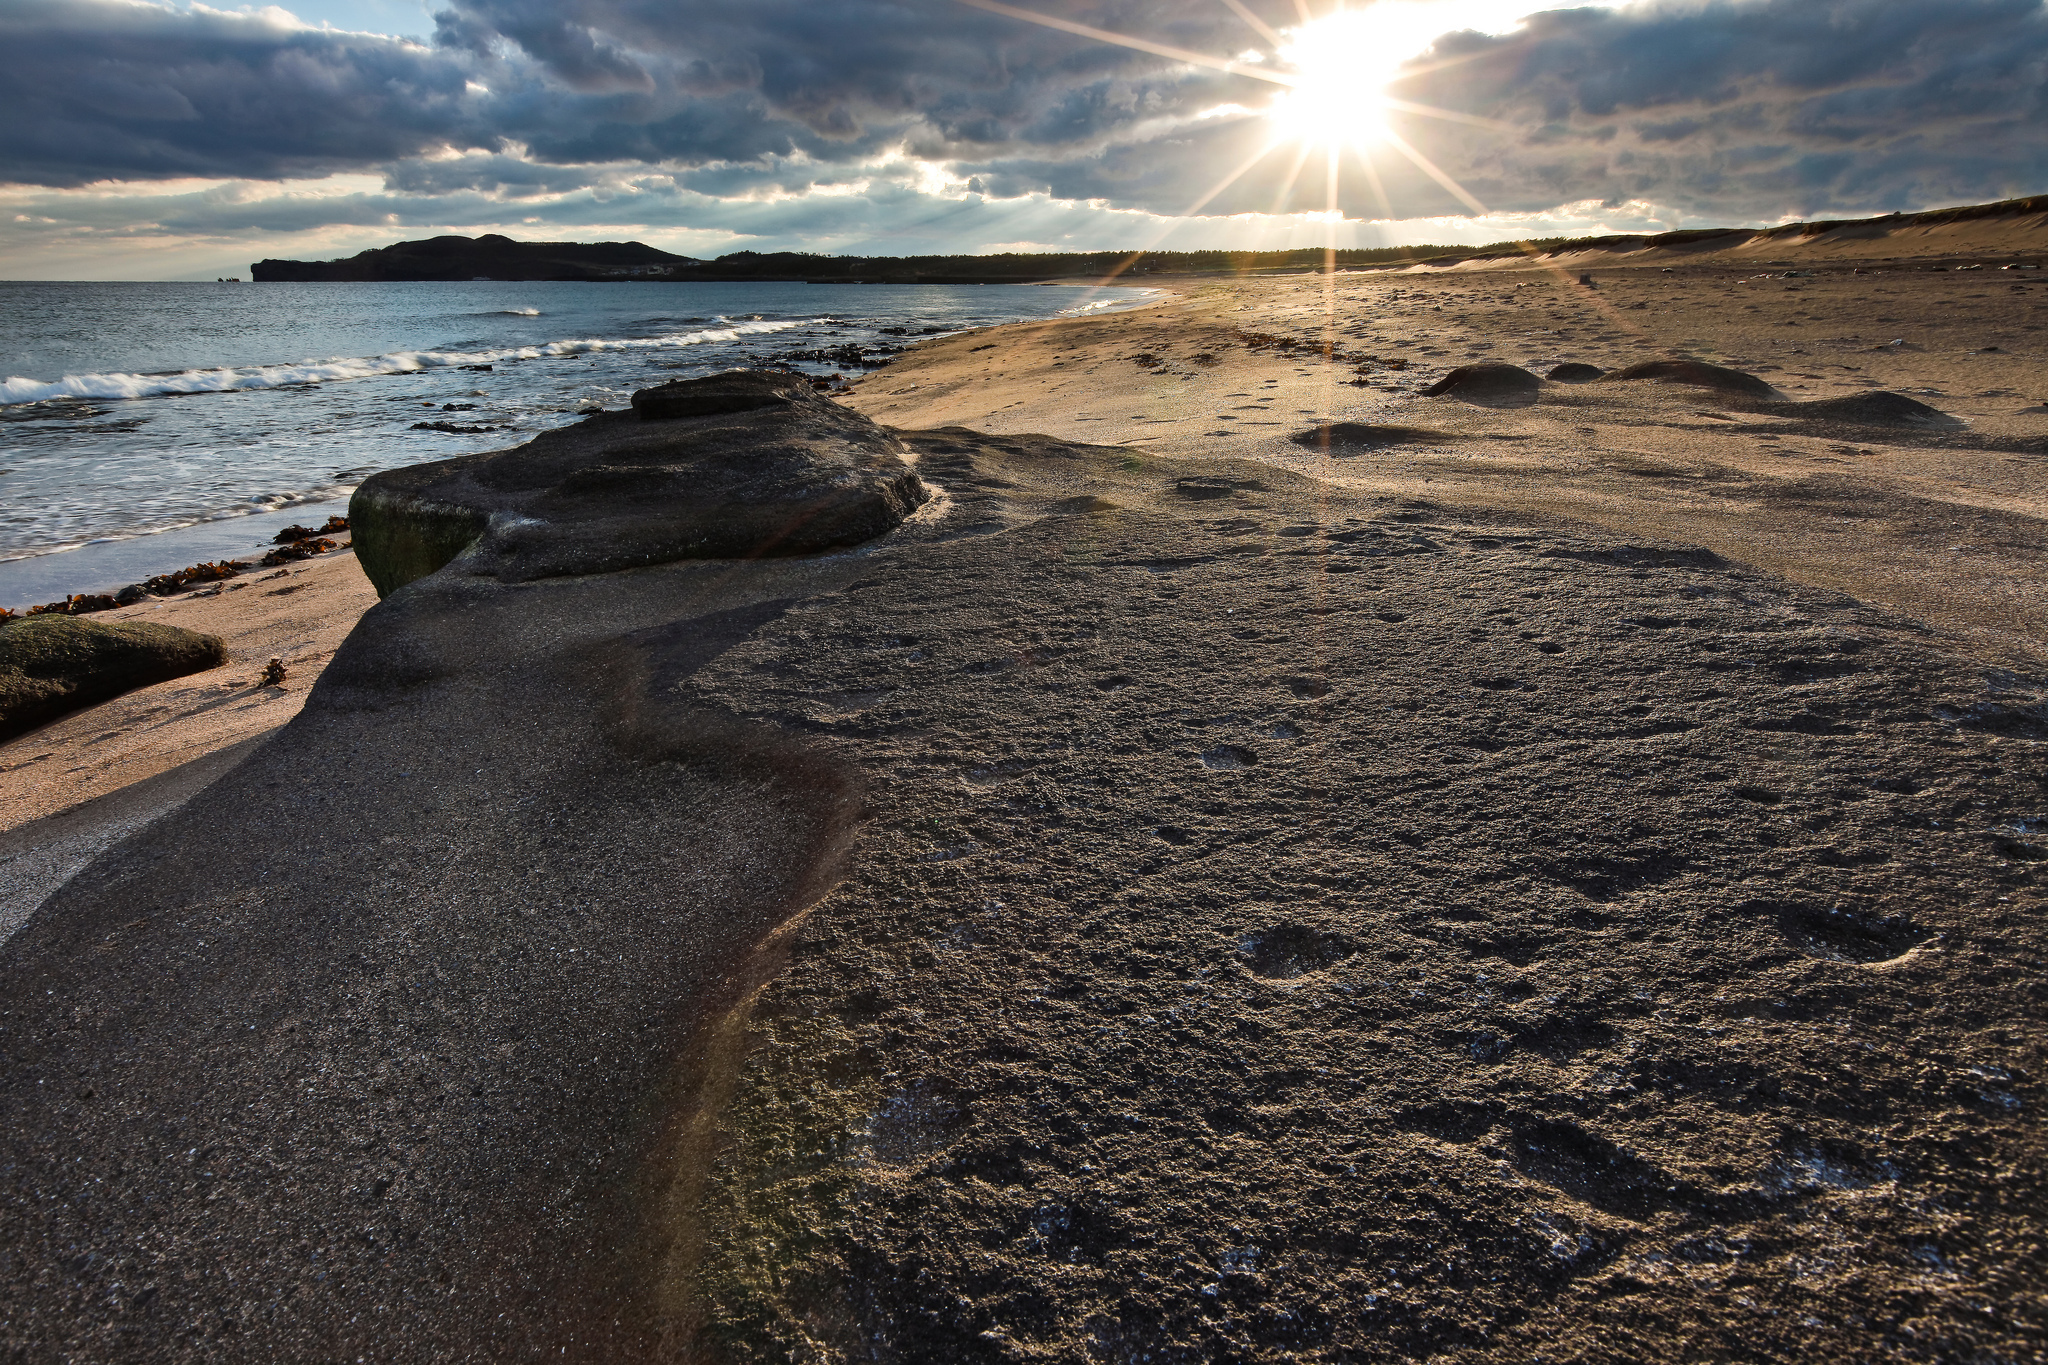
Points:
(227, 380)
(1120, 305)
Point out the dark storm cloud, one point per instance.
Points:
(844, 80)
(99, 89)
(840, 66)
(1755, 109)
(105, 89)
(1741, 109)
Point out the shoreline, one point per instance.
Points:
(116, 561)
(299, 613)
(125, 524)
(1182, 375)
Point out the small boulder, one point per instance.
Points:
(1880, 408)
(1491, 385)
(52, 664)
(1700, 375)
(1575, 373)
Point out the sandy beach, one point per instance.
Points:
(1945, 528)
(1942, 526)
(1265, 864)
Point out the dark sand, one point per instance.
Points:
(1299, 926)
(1514, 894)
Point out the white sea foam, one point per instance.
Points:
(1119, 304)
(226, 380)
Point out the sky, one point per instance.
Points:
(164, 140)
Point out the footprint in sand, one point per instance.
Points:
(1287, 951)
(1839, 935)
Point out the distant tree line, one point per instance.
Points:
(495, 257)
(1025, 266)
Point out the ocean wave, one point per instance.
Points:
(1118, 304)
(228, 380)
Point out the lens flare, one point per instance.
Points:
(1342, 64)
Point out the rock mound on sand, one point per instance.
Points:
(1488, 386)
(52, 664)
(1575, 373)
(731, 466)
(1698, 374)
(1355, 436)
(1877, 409)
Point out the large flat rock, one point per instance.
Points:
(741, 465)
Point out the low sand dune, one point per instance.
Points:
(2012, 229)
(1489, 385)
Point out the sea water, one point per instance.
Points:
(147, 422)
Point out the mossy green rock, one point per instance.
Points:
(52, 664)
(399, 536)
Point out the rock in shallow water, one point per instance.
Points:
(738, 465)
(52, 664)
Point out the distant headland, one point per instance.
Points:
(496, 257)
(490, 257)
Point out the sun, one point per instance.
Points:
(1334, 73)
(1341, 71)
(1342, 64)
